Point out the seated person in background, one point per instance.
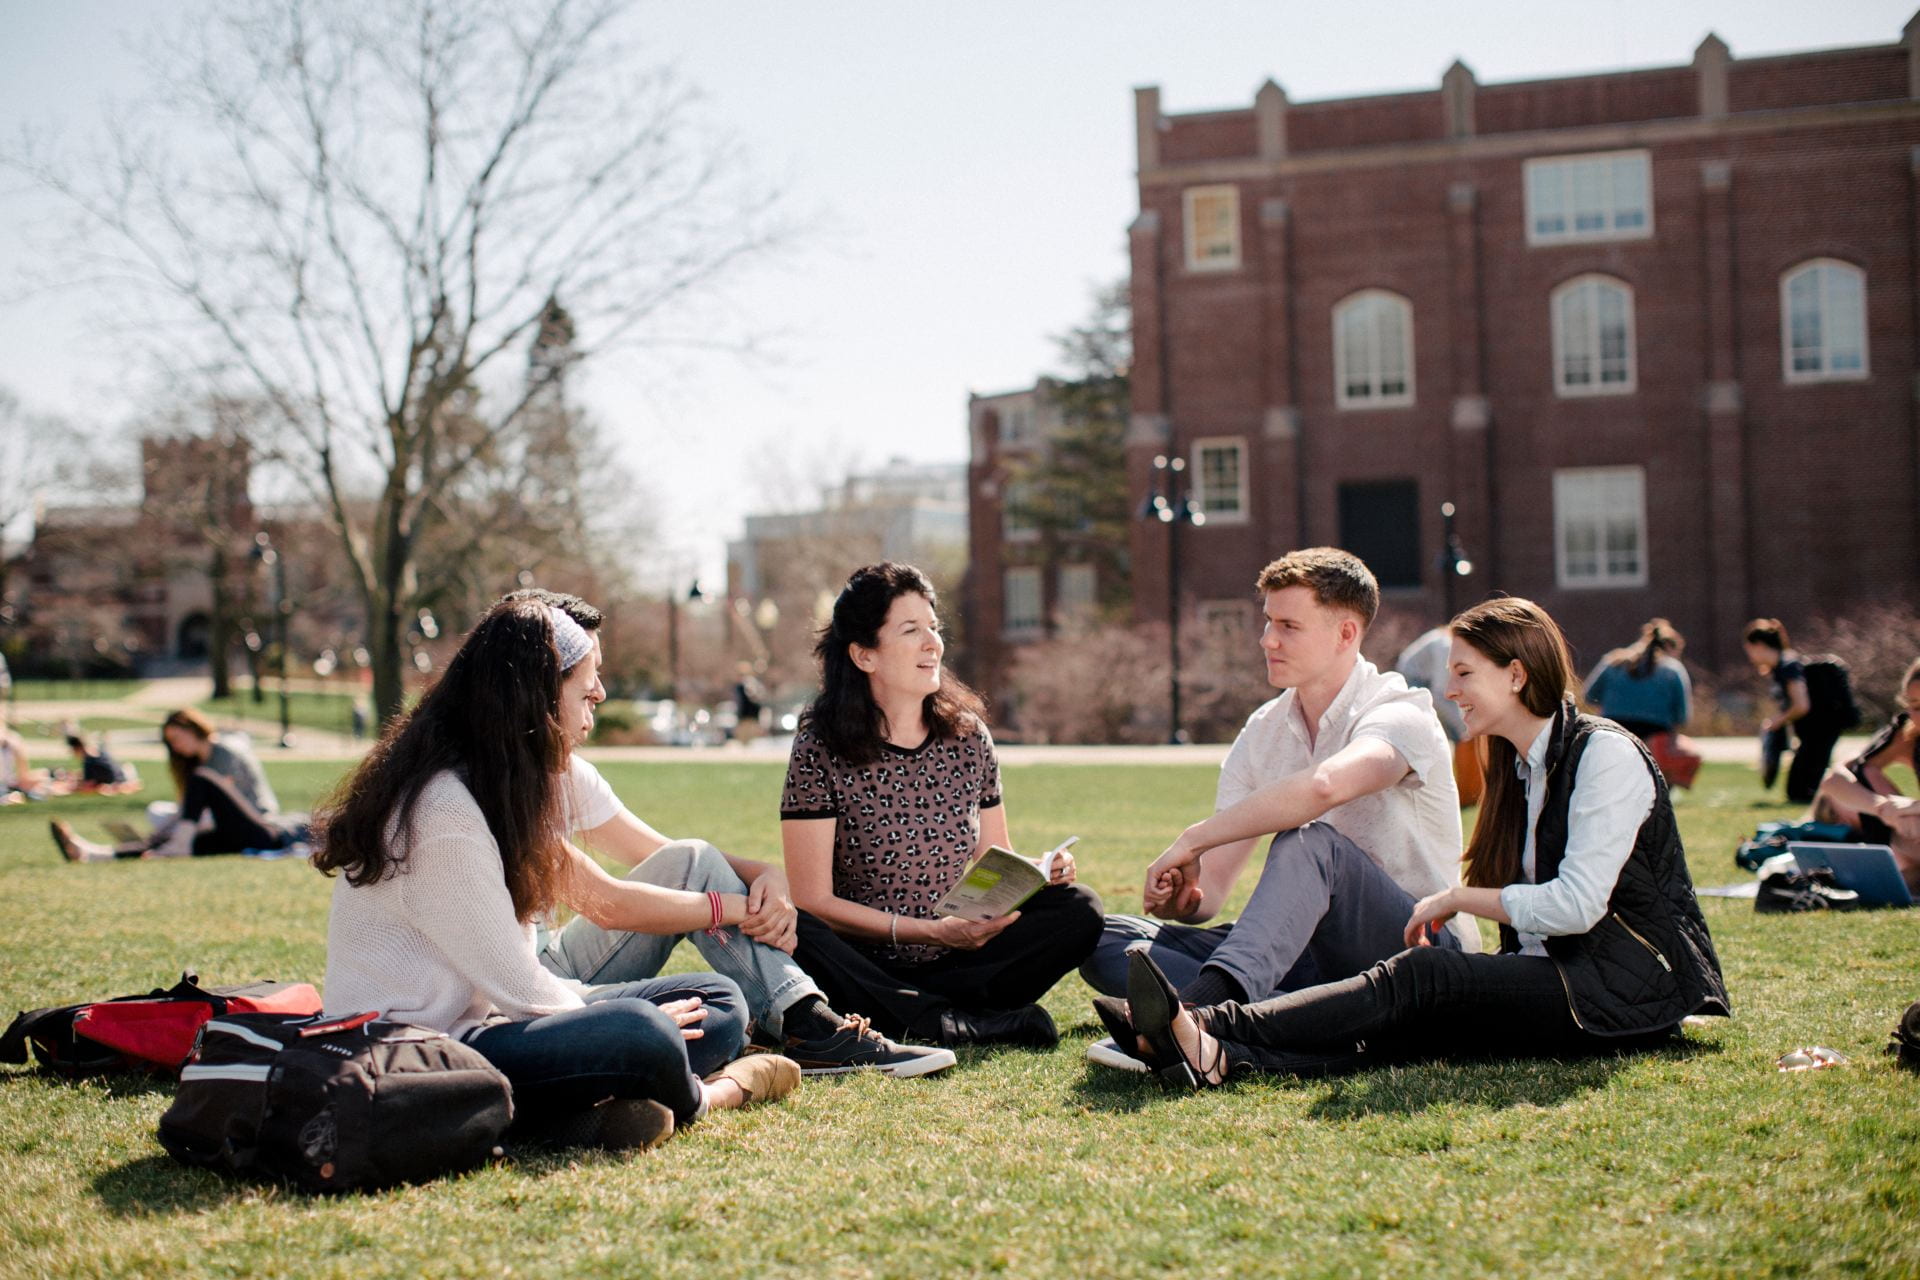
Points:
(18, 779)
(100, 773)
(1348, 771)
(892, 791)
(1861, 794)
(1644, 689)
(1576, 854)
(785, 1006)
(226, 803)
(1423, 664)
(449, 837)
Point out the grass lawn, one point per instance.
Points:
(332, 712)
(75, 690)
(1697, 1160)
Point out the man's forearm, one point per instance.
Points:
(1291, 802)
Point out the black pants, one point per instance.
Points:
(1811, 756)
(1056, 930)
(237, 825)
(1424, 1002)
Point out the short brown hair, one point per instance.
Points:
(1338, 580)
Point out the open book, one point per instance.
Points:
(998, 882)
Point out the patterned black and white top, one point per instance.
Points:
(907, 825)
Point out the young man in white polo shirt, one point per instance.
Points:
(1349, 771)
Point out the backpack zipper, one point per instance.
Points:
(1643, 942)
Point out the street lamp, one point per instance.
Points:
(694, 596)
(1167, 502)
(1453, 557)
(263, 552)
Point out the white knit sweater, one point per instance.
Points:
(438, 945)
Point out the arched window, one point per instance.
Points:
(1593, 337)
(1373, 350)
(1823, 321)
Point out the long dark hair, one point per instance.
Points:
(182, 767)
(495, 717)
(1503, 630)
(1657, 637)
(845, 717)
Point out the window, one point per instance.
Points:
(1600, 527)
(1016, 517)
(1220, 479)
(1373, 351)
(1598, 197)
(1022, 600)
(1380, 523)
(1823, 322)
(1213, 228)
(1078, 586)
(1593, 337)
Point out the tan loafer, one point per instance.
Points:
(762, 1077)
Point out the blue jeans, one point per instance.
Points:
(1323, 911)
(767, 976)
(621, 1045)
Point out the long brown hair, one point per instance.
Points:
(844, 716)
(182, 767)
(1503, 631)
(494, 717)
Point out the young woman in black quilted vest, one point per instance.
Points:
(1576, 856)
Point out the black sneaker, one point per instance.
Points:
(619, 1124)
(856, 1046)
(1028, 1027)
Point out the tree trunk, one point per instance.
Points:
(220, 625)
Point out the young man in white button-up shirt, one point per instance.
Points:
(1351, 774)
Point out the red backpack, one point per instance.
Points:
(143, 1032)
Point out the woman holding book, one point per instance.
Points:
(450, 841)
(1576, 856)
(892, 791)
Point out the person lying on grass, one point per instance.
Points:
(785, 1006)
(450, 840)
(1577, 857)
(1864, 796)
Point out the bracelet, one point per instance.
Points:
(713, 901)
(893, 927)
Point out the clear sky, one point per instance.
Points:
(971, 167)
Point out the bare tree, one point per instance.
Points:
(38, 459)
(359, 214)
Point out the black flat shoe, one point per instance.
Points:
(1113, 1016)
(1154, 1002)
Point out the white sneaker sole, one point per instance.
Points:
(1105, 1053)
(923, 1065)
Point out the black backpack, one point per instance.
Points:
(332, 1104)
(1830, 697)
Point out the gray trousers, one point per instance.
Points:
(768, 977)
(1323, 911)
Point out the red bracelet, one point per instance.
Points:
(713, 901)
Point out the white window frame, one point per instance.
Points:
(1379, 303)
(1826, 372)
(1571, 390)
(1598, 169)
(1568, 501)
(1198, 491)
(1012, 494)
(1080, 602)
(1229, 261)
(1022, 626)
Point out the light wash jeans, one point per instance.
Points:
(769, 979)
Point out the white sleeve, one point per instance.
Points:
(589, 799)
(1407, 724)
(453, 892)
(1237, 776)
(1612, 796)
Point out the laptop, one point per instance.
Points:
(1867, 869)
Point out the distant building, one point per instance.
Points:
(1020, 585)
(1651, 332)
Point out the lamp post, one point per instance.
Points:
(264, 552)
(1453, 557)
(1168, 503)
(694, 596)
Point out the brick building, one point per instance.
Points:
(1651, 332)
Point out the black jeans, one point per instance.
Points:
(237, 825)
(1812, 754)
(1055, 932)
(1424, 1002)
